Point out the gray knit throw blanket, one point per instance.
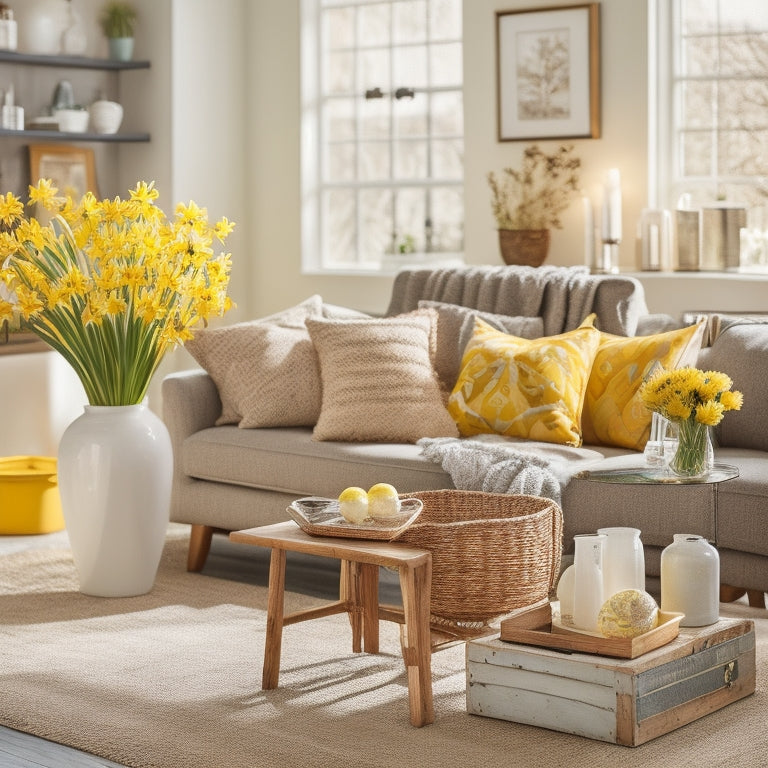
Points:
(496, 465)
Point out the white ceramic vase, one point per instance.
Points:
(115, 469)
(588, 580)
(690, 580)
(40, 25)
(623, 560)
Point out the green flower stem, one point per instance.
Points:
(690, 459)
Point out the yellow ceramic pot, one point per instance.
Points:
(29, 496)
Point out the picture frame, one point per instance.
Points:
(548, 73)
(72, 169)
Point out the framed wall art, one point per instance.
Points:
(72, 169)
(548, 73)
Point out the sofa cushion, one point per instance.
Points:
(741, 351)
(455, 326)
(524, 388)
(614, 413)
(378, 380)
(265, 370)
(290, 461)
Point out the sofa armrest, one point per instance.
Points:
(190, 403)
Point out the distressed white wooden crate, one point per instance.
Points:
(624, 701)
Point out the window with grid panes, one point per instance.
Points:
(713, 105)
(383, 147)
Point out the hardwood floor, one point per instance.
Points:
(305, 573)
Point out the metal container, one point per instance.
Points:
(688, 241)
(721, 227)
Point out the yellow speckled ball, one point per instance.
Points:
(627, 614)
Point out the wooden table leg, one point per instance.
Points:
(349, 593)
(415, 584)
(275, 612)
(369, 600)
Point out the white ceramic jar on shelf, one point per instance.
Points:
(690, 580)
(41, 24)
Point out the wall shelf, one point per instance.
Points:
(89, 136)
(73, 62)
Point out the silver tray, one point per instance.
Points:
(321, 517)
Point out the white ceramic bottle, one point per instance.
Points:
(588, 580)
(690, 580)
(623, 560)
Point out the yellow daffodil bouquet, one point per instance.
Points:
(111, 284)
(694, 400)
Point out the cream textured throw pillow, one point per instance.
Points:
(378, 380)
(265, 370)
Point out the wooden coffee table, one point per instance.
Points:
(358, 597)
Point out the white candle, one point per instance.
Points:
(611, 214)
(589, 231)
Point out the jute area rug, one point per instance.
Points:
(172, 680)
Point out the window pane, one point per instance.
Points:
(447, 159)
(445, 64)
(376, 225)
(339, 119)
(339, 224)
(374, 161)
(374, 70)
(410, 67)
(447, 219)
(696, 151)
(339, 28)
(374, 118)
(741, 153)
(410, 21)
(698, 102)
(339, 73)
(340, 160)
(411, 116)
(375, 24)
(410, 208)
(410, 159)
(447, 114)
(444, 20)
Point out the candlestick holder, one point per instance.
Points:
(607, 258)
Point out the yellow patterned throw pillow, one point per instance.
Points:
(531, 388)
(614, 413)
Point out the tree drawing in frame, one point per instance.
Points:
(544, 75)
(548, 73)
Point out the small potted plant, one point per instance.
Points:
(527, 203)
(118, 22)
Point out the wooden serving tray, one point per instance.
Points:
(540, 626)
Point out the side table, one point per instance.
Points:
(358, 596)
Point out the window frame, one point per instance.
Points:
(313, 145)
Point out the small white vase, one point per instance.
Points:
(40, 25)
(690, 580)
(588, 580)
(115, 469)
(623, 560)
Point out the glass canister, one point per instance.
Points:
(690, 580)
(623, 560)
(588, 580)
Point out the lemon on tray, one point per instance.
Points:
(353, 505)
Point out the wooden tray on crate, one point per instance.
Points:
(540, 626)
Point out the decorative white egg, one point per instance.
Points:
(383, 500)
(353, 504)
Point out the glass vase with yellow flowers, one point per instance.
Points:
(111, 284)
(695, 401)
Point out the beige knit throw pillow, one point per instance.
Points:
(378, 380)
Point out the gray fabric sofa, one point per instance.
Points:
(227, 478)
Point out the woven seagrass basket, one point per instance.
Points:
(492, 553)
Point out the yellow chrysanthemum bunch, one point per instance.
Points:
(689, 393)
(111, 284)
